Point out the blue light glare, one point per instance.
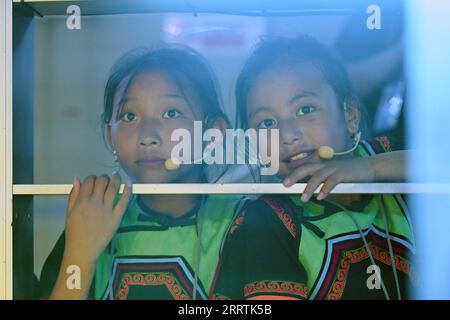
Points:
(428, 65)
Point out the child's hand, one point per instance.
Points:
(330, 174)
(91, 218)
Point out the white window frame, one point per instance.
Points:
(6, 150)
(246, 188)
(8, 190)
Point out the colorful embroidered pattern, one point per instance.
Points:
(358, 255)
(350, 251)
(145, 278)
(275, 287)
(151, 279)
(385, 142)
(283, 215)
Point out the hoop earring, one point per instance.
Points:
(115, 156)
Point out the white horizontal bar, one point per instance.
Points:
(246, 188)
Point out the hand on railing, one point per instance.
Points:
(380, 167)
(92, 221)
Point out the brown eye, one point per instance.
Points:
(267, 123)
(128, 117)
(171, 114)
(305, 110)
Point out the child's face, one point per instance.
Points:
(299, 102)
(153, 108)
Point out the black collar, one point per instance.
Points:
(147, 214)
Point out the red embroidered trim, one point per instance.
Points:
(358, 255)
(284, 216)
(385, 142)
(283, 287)
(151, 279)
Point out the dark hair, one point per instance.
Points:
(187, 67)
(282, 51)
